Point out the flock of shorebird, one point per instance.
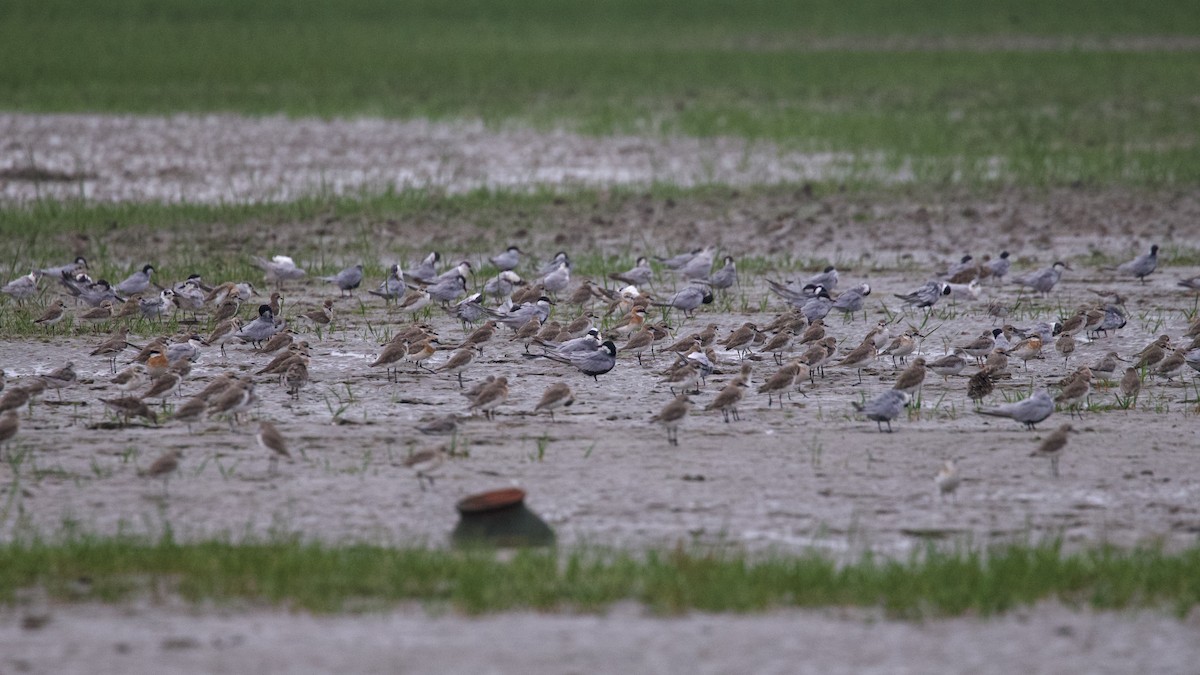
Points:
(615, 310)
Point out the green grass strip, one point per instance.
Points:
(325, 578)
(984, 107)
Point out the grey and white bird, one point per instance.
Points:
(884, 407)
(998, 267)
(501, 286)
(392, 287)
(677, 262)
(560, 258)
(468, 310)
(557, 280)
(189, 295)
(1140, 267)
(80, 264)
(700, 266)
(593, 364)
(851, 301)
(1043, 280)
(927, 295)
(1029, 411)
(348, 279)
(278, 269)
(507, 260)
(448, 290)
(159, 306)
(426, 271)
(92, 293)
(640, 274)
(816, 307)
(826, 278)
(519, 315)
(726, 277)
(259, 330)
(1192, 359)
(138, 282)
(21, 288)
(1114, 319)
(462, 269)
(688, 300)
(963, 265)
(585, 343)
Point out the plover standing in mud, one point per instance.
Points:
(490, 397)
(884, 408)
(1076, 391)
(1052, 447)
(1131, 384)
(163, 467)
(458, 362)
(910, 379)
(779, 344)
(729, 397)
(323, 315)
(948, 366)
(9, 425)
(557, 395)
(59, 378)
(980, 347)
(53, 314)
(1105, 368)
(947, 479)
(1153, 353)
(1065, 346)
(782, 381)
(859, 357)
(900, 347)
(224, 332)
(1028, 349)
(740, 339)
(271, 440)
(425, 465)
(672, 415)
(1171, 364)
(130, 406)
(295, 377)
(392, 354)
